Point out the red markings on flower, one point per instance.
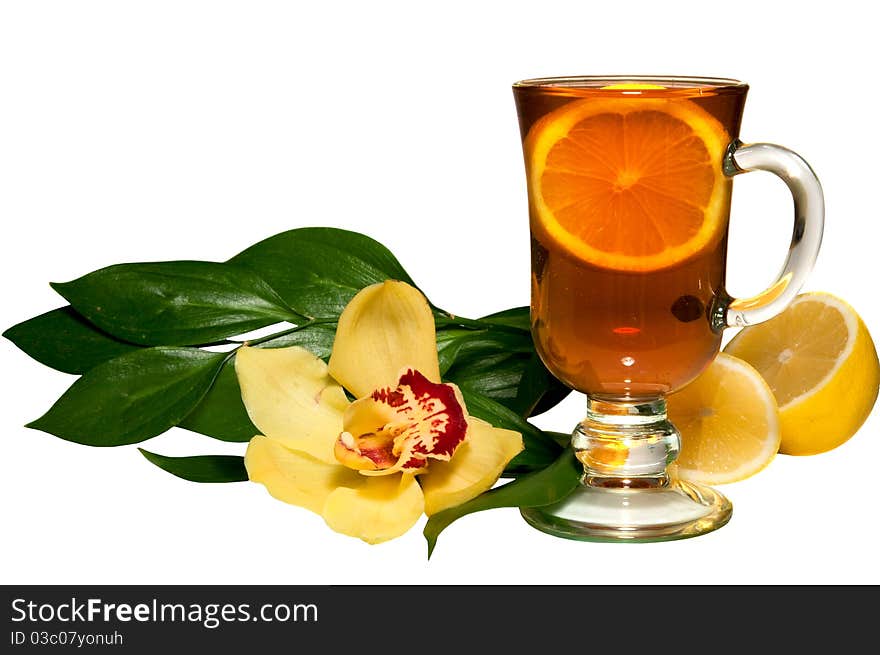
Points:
(389, 396)
(441, 410)
(399, 429)
(414, 463)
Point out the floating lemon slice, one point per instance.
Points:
(629, 183)
(821, 363)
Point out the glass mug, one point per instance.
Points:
(629, 186)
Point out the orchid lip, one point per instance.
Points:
(401, 428)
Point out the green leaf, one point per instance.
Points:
(472, 346)
(133, 397)
(502, 365)
(449, 343)
(534, 490)
(555, 393)
(540, 449)
(201, 468)
(496, 376)
(517, 317)
(221, 413)
(562, 438)
(317, 338)
(65, 341)
(537, 390)
(317, 270)
(495, 356)
(175, 303)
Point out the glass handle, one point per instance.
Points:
(809, 220)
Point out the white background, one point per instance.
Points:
(136, 131)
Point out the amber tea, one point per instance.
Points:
(624, 334)
(628, 219)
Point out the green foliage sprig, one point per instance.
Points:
(140, 337)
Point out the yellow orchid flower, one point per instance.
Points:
(406, 445)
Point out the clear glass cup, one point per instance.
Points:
(629, 184)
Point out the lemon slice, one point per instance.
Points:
(821, 363)
(628, 183)
(728, 421)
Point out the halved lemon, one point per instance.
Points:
(820, 361)
(631, 183)
(728, 421)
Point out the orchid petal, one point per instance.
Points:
(295, 477)
(291, 399)
(476, 466)
(386, 327)
(378, 510)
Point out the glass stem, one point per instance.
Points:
(626, 444)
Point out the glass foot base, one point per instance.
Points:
(676, 511)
